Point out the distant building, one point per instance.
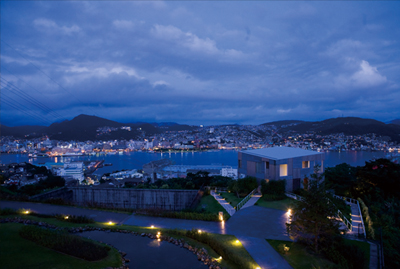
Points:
(291, 164)
(72, 170)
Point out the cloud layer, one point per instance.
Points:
(199, 62)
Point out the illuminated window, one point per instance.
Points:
(306, 164)
(283, 170)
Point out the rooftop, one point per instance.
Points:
(278, 153)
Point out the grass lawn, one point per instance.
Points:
(299, 257)
(40, 257)
(210, 205)
(231, 198)
(284, 204)
(17, 252)
(363, 245)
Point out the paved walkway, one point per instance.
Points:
(252, 201)
(224, 203)
(355, 220)
(263, 253)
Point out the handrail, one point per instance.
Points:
(245, 199)
(346, 222)
(354, 201)
(293, 196)
(339, 214)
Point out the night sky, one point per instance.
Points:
(200, 62)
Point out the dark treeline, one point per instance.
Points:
(377, 184)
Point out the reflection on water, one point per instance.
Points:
(135, 160)
(154, 244)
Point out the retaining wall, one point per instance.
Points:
(134, 198)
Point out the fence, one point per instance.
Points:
(245, 199)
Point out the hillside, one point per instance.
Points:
(20, 131)
(282, 123)
(84, 127)
(347, 126)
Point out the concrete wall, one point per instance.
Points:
(134, 198)
(63, 193)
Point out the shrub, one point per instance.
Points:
(223, 250)
(274, 197)
(74, 219)
(369, 228)
(7, 211)
(63, 242)
(275, 187)
(181, 215)
(346, 255)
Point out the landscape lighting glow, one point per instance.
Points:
(152, 226)
(199, 231)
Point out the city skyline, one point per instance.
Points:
(199, 62)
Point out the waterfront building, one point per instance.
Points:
(291, 164)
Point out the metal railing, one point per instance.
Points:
(354, 201)
(339, 213)
(346, 222)
(245, 199)
(294, 196)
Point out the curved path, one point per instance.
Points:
(251, 225)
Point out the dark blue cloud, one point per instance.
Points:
(201, 62)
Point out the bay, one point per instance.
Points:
(136, 159)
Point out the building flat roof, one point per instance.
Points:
(279, 153)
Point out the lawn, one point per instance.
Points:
(21, 253)
(231, 198)
(284, 204)
(210, 205)
(299, 257)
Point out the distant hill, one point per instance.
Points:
(84, 127)
(283, 122)
(20, 131)
(348, 126)
(397, 122)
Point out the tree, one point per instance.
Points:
(314, 218)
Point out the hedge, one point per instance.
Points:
(63, 242)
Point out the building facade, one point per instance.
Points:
(291, 164)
